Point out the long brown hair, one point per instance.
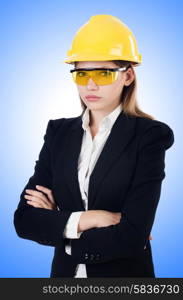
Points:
(128, 96)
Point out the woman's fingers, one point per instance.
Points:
(38, 199)
(33, 195)
(47, 191)
(37, 203)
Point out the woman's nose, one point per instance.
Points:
(91, 83)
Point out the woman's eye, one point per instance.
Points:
(105, 73)
(81, 74)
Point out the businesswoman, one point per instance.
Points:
(97, 182)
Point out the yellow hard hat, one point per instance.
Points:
(104, 37)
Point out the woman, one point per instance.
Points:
(97, 182)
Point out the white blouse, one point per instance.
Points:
(90, 151)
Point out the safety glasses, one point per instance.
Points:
(101, 76)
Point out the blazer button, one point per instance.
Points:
(92, 256)
(86, 256)
(98, 256)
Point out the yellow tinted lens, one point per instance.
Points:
(100, 77)
(103, 77)
(80, 77)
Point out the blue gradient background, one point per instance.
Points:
(36, 86)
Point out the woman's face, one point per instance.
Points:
(110, 94)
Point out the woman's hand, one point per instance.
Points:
(38, 199)
(105, 218)
(99, 218)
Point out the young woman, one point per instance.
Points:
(97, 182)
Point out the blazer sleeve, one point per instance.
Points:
(128, 238)
(41, 225)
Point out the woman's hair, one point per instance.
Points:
(128, 96)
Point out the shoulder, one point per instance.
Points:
(57, 125)
(54, 124)
(154, 132)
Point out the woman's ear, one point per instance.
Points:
(129, 76)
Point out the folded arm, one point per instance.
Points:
(41, 225)
(128, 238)
(80, 221)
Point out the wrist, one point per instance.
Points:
(93, 217)
(87, 220)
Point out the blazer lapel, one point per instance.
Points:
(70, 165)
(120, 135)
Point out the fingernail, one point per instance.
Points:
(38, 186)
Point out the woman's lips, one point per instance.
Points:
(92, 98)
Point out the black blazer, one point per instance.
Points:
(127, 178)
